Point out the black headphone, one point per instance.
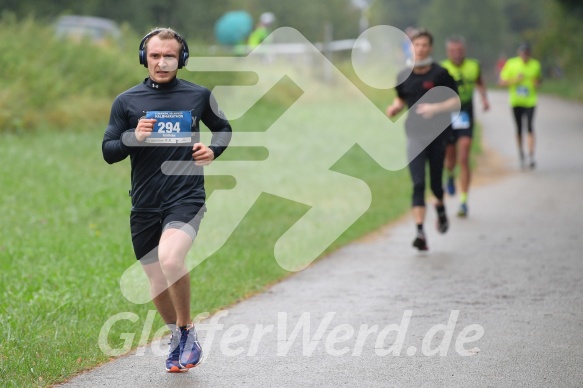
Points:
(182, 58)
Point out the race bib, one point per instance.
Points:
(170, 126)
(460, 121)
(522, 91)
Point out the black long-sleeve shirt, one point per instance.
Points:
(412, 86)
(151, 189)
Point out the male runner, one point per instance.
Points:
(523, 75)
(155, 122)
(468, 75)
(411, 88)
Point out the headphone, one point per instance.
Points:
(182, 57)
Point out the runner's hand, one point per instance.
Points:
(144, 129)
(203, 156)
(426, 111)
(392, 110)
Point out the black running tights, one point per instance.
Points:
(519, 113)
(434, 153)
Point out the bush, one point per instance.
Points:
(64, 84)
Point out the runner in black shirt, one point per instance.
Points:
(424, 126)
(156, 123)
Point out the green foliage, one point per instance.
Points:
(67, 84)
(398, 13)
(195, 19)
(564, 87)
(559, 43)
(572, 6)
(480, 23)
(50, 75)
(522, 16)
(492, 27)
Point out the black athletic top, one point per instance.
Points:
(411, 87)
(151, 189)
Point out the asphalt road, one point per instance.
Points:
(496, 302)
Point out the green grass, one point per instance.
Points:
(65, 244)
(570, 88)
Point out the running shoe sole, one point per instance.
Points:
(176, 369)
(190, 366)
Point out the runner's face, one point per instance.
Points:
(162, 58)
(456, 52)
(422, 48)
(524, 54)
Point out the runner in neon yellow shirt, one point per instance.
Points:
(468, 75)
(261, 31)
(523, 75)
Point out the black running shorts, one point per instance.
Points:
(147, 228)
(453, 133)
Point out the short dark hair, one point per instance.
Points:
(525, 47)
(422, 32)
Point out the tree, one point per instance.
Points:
(398, 13)
(574, 6)
(482, 24)
(559, 42)
(523, 16)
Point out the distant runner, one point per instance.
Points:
(467, 73)
(523, 75)
(426, 75)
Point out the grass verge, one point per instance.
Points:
(66, 242)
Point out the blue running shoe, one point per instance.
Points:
(190, 349)
(463, 212)
(450, 185)
(173, 360)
